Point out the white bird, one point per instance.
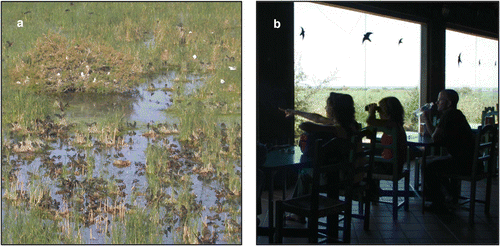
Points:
(194, 56)
(222, 81)
(232, 68)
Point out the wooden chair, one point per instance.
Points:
(315, 205)
(396, 175)
(360, 189)
(485, 153)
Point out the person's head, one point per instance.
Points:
(391, 109)
(341, 108)
(447, 99)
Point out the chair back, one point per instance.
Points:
(345, 171)
(487, 113)
(386, 149)
(485, 151)
(323, 168)
(362, 155)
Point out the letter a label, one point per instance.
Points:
(19, 23)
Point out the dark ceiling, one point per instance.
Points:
(475, 17)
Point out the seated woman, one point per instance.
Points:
(392, 116)
(339, 123)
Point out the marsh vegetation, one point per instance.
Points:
(121, 123)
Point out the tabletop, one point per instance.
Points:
(417, 139)
(285, 157)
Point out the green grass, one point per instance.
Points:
(21, 225)
(142, 227)
(23, 106)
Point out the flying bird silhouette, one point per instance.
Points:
(400, 41)
(367, 37)
(479, 62)
(303, 33)
(459, 58)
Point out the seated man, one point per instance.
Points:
(454, 133)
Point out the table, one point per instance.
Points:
(280, 160)
(417, 140)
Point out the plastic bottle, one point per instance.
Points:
(425, 107)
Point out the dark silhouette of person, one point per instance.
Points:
(391, 114)
(340, 123)
(453, 132)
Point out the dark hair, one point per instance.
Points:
(342, 106)
(452, 96)
(394, 108)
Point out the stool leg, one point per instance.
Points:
(279, 223)
(394, 200)
(472, 202)
(407, 193)
(347, 227)
(312, 224)
(488, 195)
(366, 225)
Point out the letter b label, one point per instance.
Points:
(277, 24)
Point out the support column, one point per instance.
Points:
(433, 59)
(275, 71)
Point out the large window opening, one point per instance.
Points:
(332, 55)
(472, 70)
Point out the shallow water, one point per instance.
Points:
(142, 108)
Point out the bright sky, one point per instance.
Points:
(470, 73)
(333, 46)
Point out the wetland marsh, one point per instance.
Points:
(121, 123)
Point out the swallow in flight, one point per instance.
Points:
(303, 33)
(459, 58)
(400, 41)
(367, 37)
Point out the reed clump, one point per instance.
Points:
(57, 64)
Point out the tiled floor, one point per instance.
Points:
(413, 227)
